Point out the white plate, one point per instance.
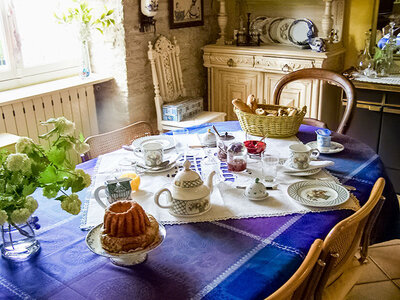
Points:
(126, 258)
(318, 193)
(335, 147)
(283, 31)
(289, 170)
(306, 173)
(300, 31)
(166, 140)
(273, 29)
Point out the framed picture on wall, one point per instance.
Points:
(186, 13)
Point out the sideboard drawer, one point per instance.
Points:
(232, 61)
(284, 65)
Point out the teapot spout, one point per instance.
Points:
(210, 180)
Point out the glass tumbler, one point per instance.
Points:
(269, 167)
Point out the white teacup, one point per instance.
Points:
(301, 155)
(152, 154)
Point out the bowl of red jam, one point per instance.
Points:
(255, 147)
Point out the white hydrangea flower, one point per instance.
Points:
(86, 177)
(72, 204)
(20, 216)
(18, 162)
(3, 217)
(24, 145)
(81, 148)
(31, 204)
(64, 126)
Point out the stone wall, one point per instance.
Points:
(122, 52)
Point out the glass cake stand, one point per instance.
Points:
(124, 259)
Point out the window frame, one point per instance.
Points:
(18, 75)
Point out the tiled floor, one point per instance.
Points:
(381, 278)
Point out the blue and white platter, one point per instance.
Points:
(301, 31)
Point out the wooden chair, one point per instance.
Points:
(321, 74)
(113, 140)
(341, 245)
(168, 84)
(295, 286)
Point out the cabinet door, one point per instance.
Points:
(232, 84)
(297, 93)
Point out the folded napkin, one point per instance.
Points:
(314, 164)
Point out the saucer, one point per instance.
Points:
(306, 172)
(124, 259)
(335, 147)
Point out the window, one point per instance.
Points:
(33, 46)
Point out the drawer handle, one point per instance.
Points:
(391, 110)
(369, 107)
(230, 62)
(286, 68)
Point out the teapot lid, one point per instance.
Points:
(187, 178)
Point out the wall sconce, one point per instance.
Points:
(148, 9)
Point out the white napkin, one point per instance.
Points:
(314, 164)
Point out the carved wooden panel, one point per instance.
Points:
(281, 65)
(236, 84)
(232, 61)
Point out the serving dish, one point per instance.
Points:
(125, 259)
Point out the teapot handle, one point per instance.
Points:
(157, 198)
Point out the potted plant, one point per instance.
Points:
(31, 167)
(82, 15)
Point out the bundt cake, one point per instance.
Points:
(127, 227)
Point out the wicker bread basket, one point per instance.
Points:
(270, 126)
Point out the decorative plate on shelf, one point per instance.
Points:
(301, 31)
(166, 140)
(283, 30)
(318, 193)
(264, 31)
(335, 147)
(273, 29)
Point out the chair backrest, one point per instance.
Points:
(166, 72)
(321, 74)
(294, 287)
(343, 241)
(113, 140)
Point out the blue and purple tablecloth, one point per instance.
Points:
(233, 259)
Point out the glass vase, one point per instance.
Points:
(85, 62)
(365, 63)
(19, 241)
(84, 35)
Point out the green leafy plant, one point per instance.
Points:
(34, 166)
(82, 14)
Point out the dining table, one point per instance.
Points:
(246, 258)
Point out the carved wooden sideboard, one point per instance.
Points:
(236, 72)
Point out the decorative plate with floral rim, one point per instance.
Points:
(318, 193)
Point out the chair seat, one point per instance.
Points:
(201, 118)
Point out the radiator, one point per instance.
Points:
(23, 117)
